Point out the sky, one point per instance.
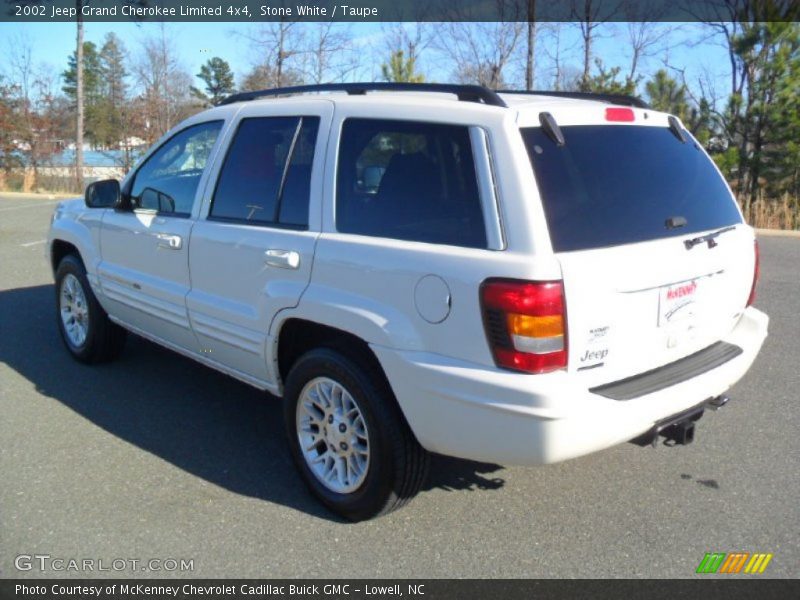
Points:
(197, 42)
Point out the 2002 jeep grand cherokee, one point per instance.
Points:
(516, 278)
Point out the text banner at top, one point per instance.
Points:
(398, 10)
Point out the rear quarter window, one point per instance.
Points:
(409, 181)
(613, 185)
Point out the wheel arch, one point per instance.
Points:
(59, 248)
(68, 236)
(296, 335)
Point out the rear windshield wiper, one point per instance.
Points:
(709, 238)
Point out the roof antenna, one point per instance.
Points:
(551, 128)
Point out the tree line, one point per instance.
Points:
(131, 96)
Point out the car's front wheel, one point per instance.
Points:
(85, 328)
(348, 436)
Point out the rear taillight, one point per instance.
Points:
(756, 275)
(525, 324)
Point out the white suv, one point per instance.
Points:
(506, 277)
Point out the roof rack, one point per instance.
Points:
(620, 99)
(466, 93)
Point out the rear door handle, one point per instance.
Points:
(283, 259)
(166, 240)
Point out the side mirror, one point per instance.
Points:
(103, 194)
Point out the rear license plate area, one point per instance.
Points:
(680, 304)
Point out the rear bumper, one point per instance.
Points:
(465, 410)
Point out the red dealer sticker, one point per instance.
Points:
(678, 303)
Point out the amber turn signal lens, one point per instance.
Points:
(532, 326)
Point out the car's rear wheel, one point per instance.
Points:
(85, 328)
(333, 435)
(348, 437)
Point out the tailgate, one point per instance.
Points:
(636, 307)
(622, 199)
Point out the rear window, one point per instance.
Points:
(256, 185)
(613, 185)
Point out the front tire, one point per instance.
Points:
(85, 328)
(348, 437)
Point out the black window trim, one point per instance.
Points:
(126, 205)
(274, 224)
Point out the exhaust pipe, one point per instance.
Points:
(718, 402)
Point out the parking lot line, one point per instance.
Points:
(36, 243)
(33, 205)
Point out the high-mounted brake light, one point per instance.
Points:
(756, 275)
(525, 324)
(625, 115)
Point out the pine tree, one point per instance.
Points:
(218, 78)
(759, 116)
(665, 94)
(781, 140)
(92, 88)
(606, 82)
(401, 69)
(112, 109)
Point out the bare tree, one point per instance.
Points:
(589, 15)
(647, 36)
(164, 82)
(330, 55)
(19, 59)
(726, 25)
(554, 50)
(410, 38)
(557, 57)
(646, 39)
(530, 58)
(280, 47)
(37, 110)
(482, 52)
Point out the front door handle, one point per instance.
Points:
(166, 240)
(283, 259)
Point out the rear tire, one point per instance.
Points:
(85, 328)
(348, 437)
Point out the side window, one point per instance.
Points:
(266, 176)
(168, 180)
(410, 181)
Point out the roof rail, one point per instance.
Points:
(467, 93)
(620, 99)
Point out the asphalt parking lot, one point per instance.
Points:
(156, 457)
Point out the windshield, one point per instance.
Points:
(613, 185)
